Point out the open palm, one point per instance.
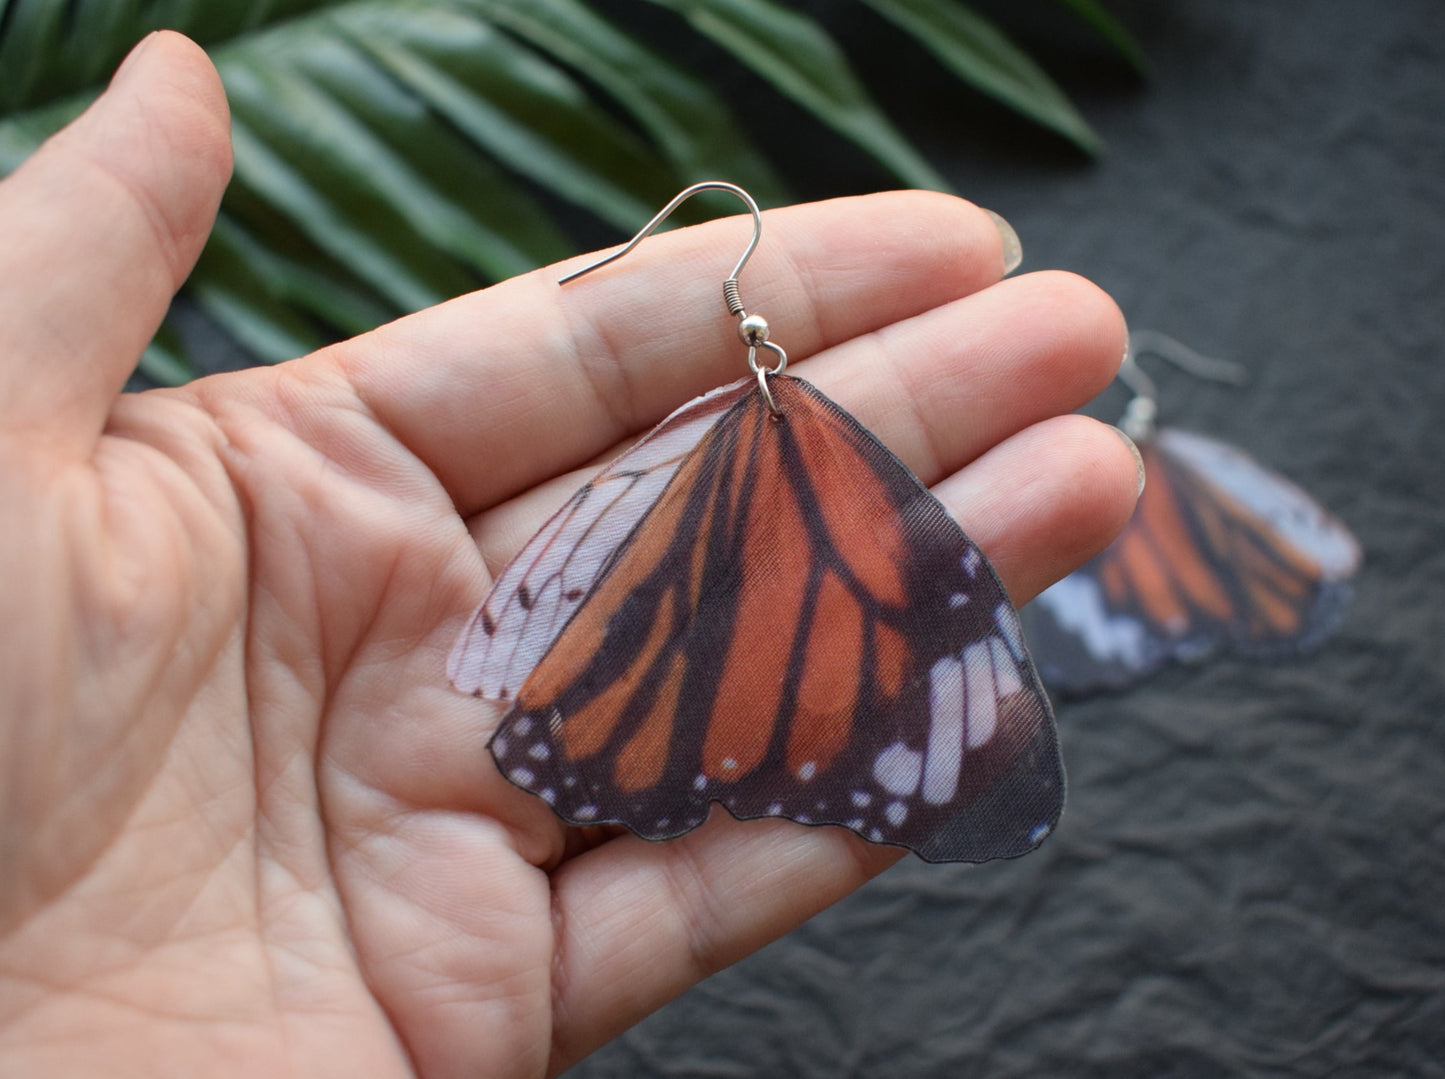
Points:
(245, 824)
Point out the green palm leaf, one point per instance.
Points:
(1111, 30)
(392, 153)
(797, 56)
(978, 51)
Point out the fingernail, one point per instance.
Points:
(129, 62)
(1013, 251)
(1138, 459)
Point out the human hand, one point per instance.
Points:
(245, 825)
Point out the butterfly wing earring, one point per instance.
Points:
(759, 605)
(1221, 553)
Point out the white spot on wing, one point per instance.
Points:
(982, 695)
(1005, 669)
(1077, 604)
(896, 813)
(946, 705)
(523, 777)
(1008, 625)
(898, 768)
(807, 770)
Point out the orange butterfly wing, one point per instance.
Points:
(543, 586)
(794, 628)
(1220, 552)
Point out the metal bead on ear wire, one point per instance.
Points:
(753, 329)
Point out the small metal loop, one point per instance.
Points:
(1139, 418)
(763, 374)
(773, 346)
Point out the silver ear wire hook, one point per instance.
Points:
(1142, 411)
(753, 329)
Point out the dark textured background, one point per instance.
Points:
(1249, 878)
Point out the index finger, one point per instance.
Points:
(503, 389)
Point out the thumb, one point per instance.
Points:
(102, 225)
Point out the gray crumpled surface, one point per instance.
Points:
(1250, 875)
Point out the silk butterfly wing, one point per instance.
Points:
(794, 628)
(541, 588)
(1220, 552)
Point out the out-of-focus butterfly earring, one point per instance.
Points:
(1221, 553)
(759, 605)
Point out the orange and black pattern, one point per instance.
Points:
(793, 628)
(1220, 552)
